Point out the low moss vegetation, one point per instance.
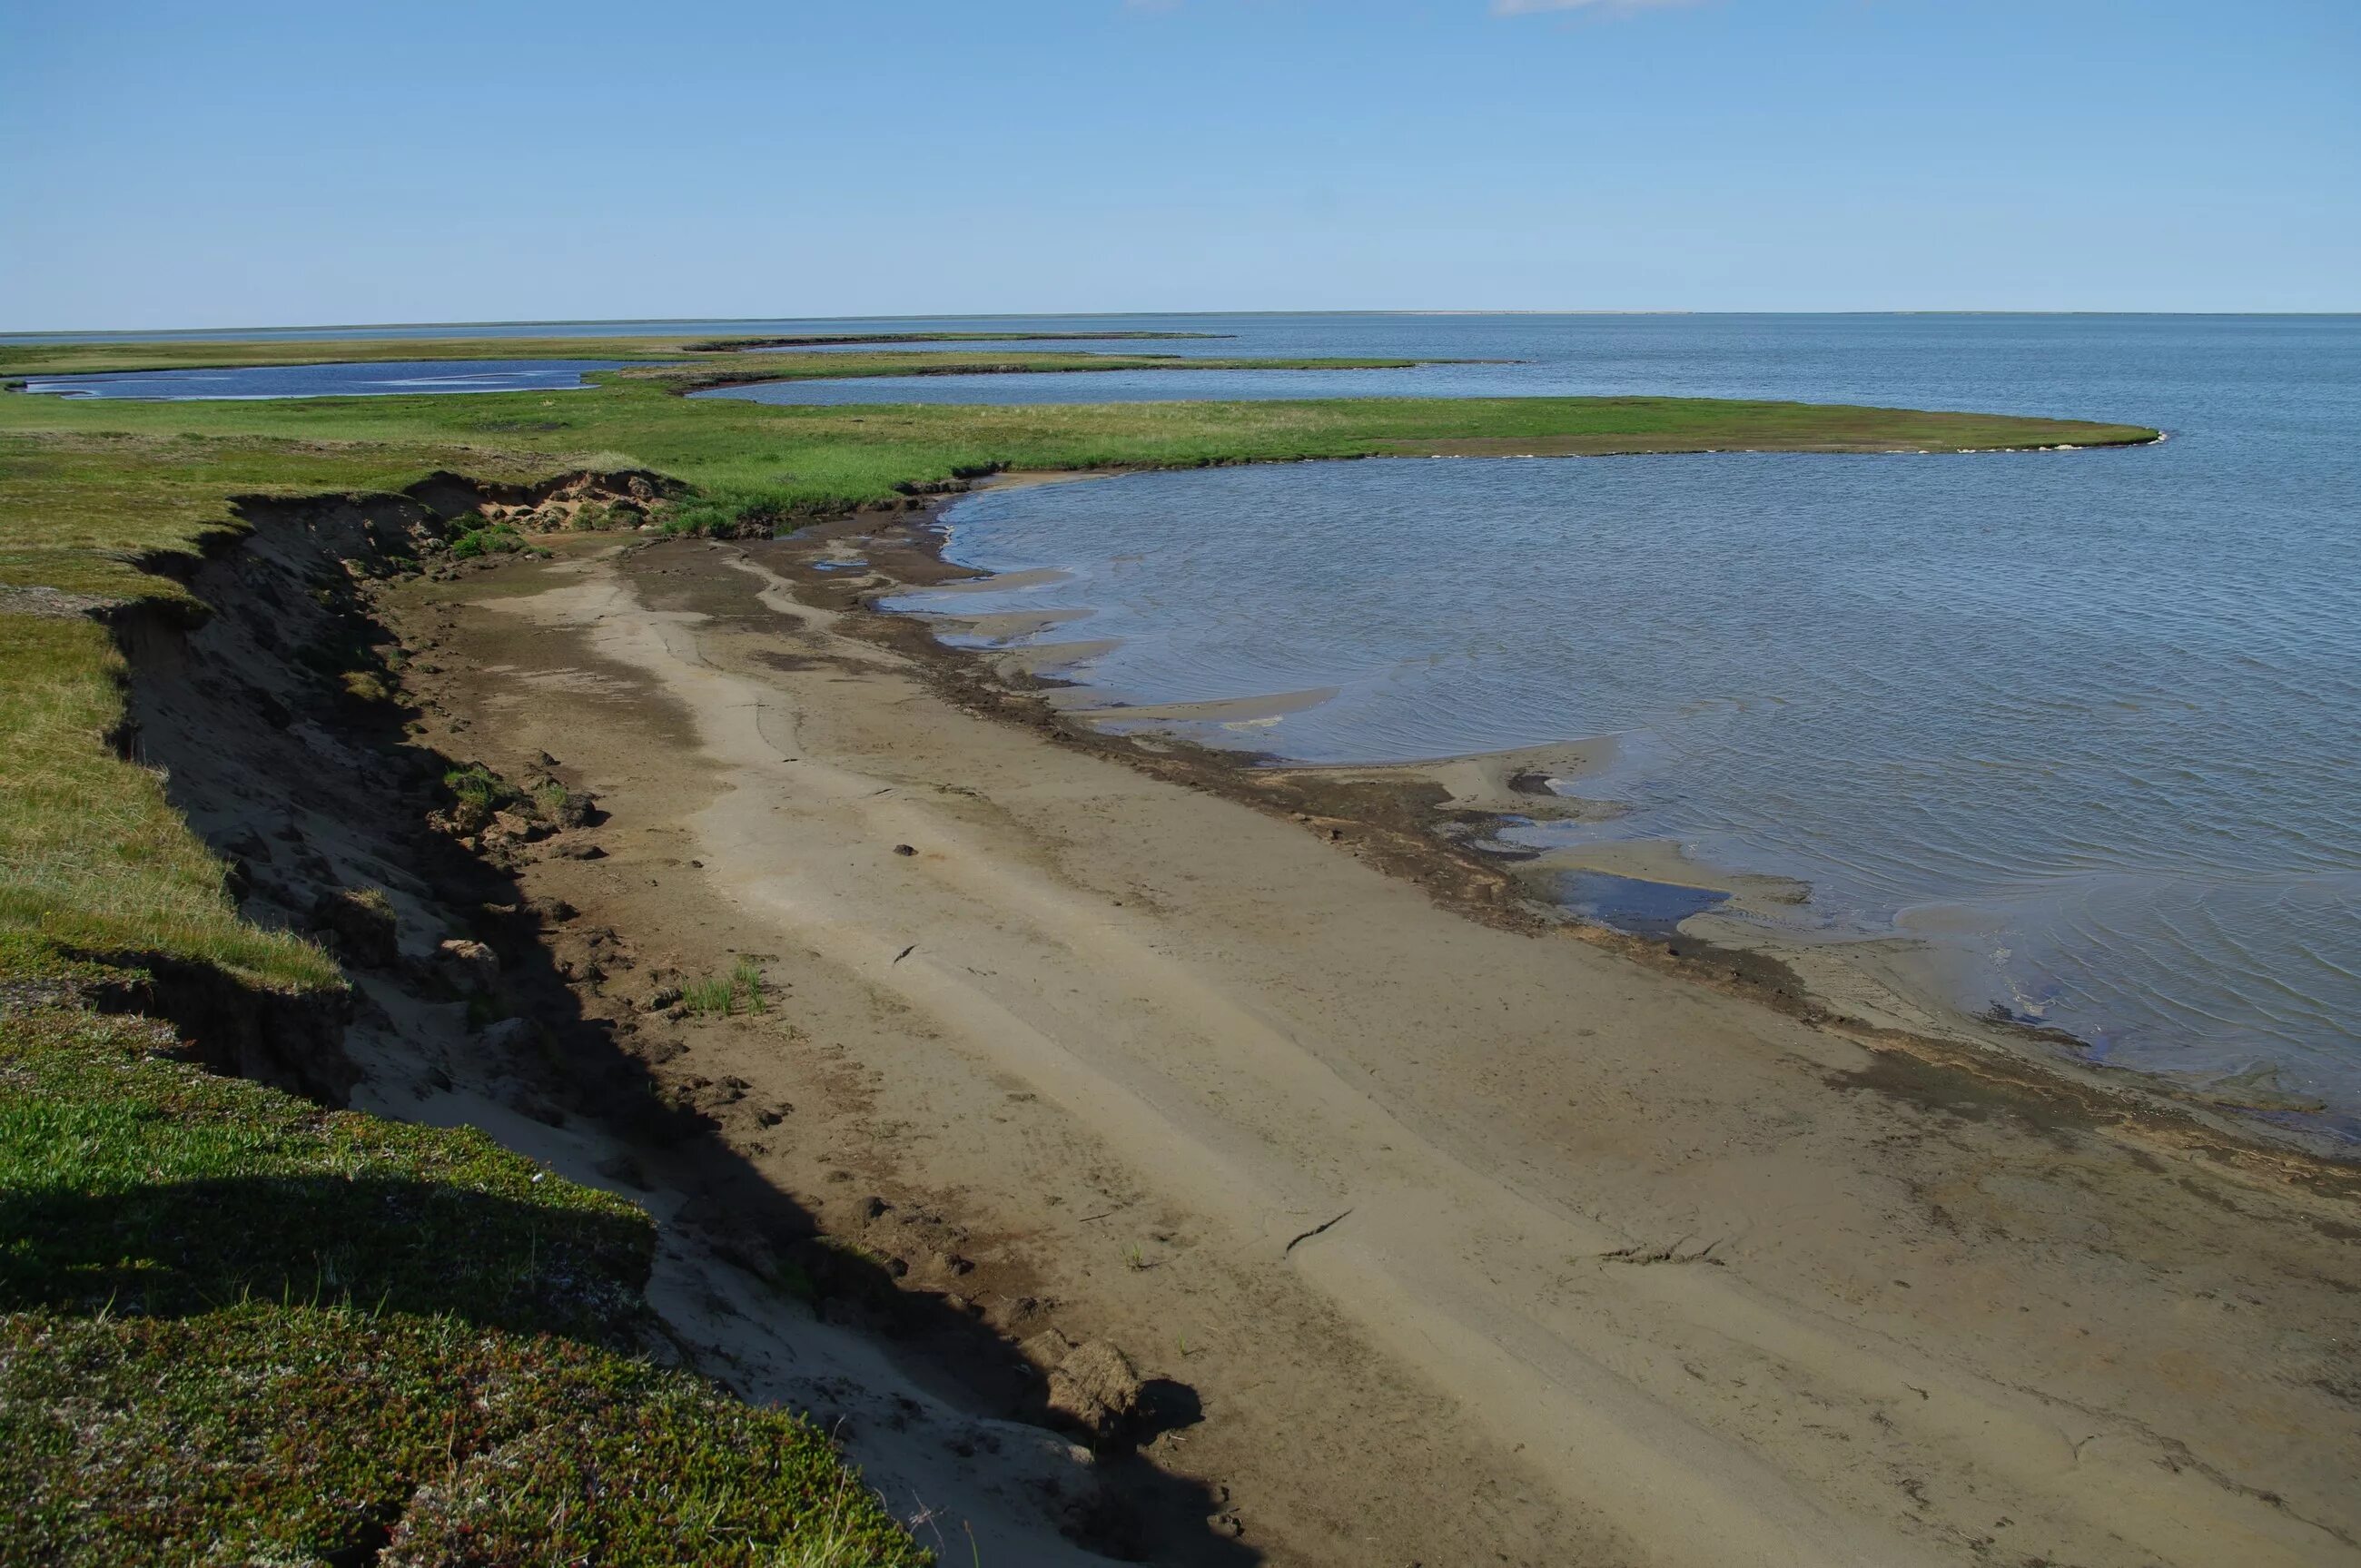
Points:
(272, 1434)
(237, 1328)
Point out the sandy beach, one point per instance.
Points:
(1448, 1236)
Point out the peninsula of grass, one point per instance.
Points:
(115, 357)
(90, 485)
(237, 1327)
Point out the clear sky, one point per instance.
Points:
(244, 163)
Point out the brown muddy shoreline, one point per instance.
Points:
(1451, 1238)
(1402, 823)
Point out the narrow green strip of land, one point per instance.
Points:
(91, 485)
(20, 359)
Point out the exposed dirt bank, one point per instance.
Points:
(482, 996)
(1440, 1239)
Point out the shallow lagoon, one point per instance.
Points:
(2086, 719)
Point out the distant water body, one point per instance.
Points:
(2091, 718)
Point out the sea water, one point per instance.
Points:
(2093, 718)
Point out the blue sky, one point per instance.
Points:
(237, 163)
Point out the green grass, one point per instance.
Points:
(137, 1184)
(723, 995)
(235, 1327)
(498, 539)
(86, 508)
(93, 860)
(272, 1434)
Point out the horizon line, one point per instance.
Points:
(12, 335)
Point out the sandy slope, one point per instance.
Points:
(1475, 1246)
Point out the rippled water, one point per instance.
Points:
(388, 378)
(2090, 715)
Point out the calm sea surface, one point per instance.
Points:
(2093, 718)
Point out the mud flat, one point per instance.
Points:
(1442, 1232)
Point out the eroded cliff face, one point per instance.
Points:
(265, 716)
(278, 722)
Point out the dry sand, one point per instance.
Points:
(1458, 1239)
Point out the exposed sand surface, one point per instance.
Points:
(1459, 1242)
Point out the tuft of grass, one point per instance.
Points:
(477, 792)
(746, 979)
(794, 1279)
(711, 996)
(364, 686)
(492, 539)
(723, 995)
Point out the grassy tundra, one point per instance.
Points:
(235, 1326)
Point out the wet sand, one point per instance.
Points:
(1471, 1237)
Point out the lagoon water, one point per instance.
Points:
(2090, 718)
